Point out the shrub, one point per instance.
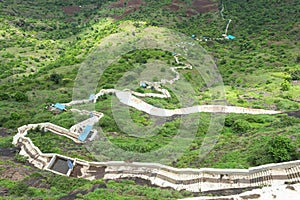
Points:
(286, 121)
(285, 85)
(272, 150)
(241, 126)
(20, 97)
(295, 75)
(21, 189)
(56, 78)
(65, 184)
(281, 149)
(6, 142)
(4, 96)
(20, 158)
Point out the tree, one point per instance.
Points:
(15, 116)
(241, 126)
(281, 149)
(272, 150)
(285, 85)
(295, 75)
(4, 96)
(20, 97)
(56, 78)
(21, 189)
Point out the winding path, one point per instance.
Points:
(129, 98)
(226, 29)
(194, 180)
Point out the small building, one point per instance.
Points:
(60, 107)
(193, 36)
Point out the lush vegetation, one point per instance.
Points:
(48, 142)
(43, 44)
(42, 185)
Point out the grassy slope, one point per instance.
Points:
(38, 39)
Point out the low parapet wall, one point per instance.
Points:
(195, 180)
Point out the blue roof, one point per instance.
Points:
(82, 137)
(231, 37)
(70, 164)
(59, 106)
(92, 96)
(143, 84)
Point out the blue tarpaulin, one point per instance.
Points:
(143, 85)
(231, 37)
(70, 164)
(82, 137)
(92, 96)
(60, 106)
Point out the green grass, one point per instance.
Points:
(60, 186)
(38, 39)
(6, 142)
(49, 142)
(234, 148)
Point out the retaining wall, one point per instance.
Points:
(195, 180)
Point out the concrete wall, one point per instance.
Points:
(195, 180)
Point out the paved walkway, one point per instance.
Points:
(163, 176)
(129, 98)
(194, 180)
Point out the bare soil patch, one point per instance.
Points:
(76, 171)
(134, 3)
(118, 4)
(70, 10)
(72, 195)
(177, 2)
(129, 4)
(202, 6)
(8, 152)
(4, 132)
(294, 113)
(37, 182)
(191, 12)
(4, 191)
(173, 7)
(296, 82)
(98, 172)
(130, 7)
(15, 173)
(176, 5)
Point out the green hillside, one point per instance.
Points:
(43, 44)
